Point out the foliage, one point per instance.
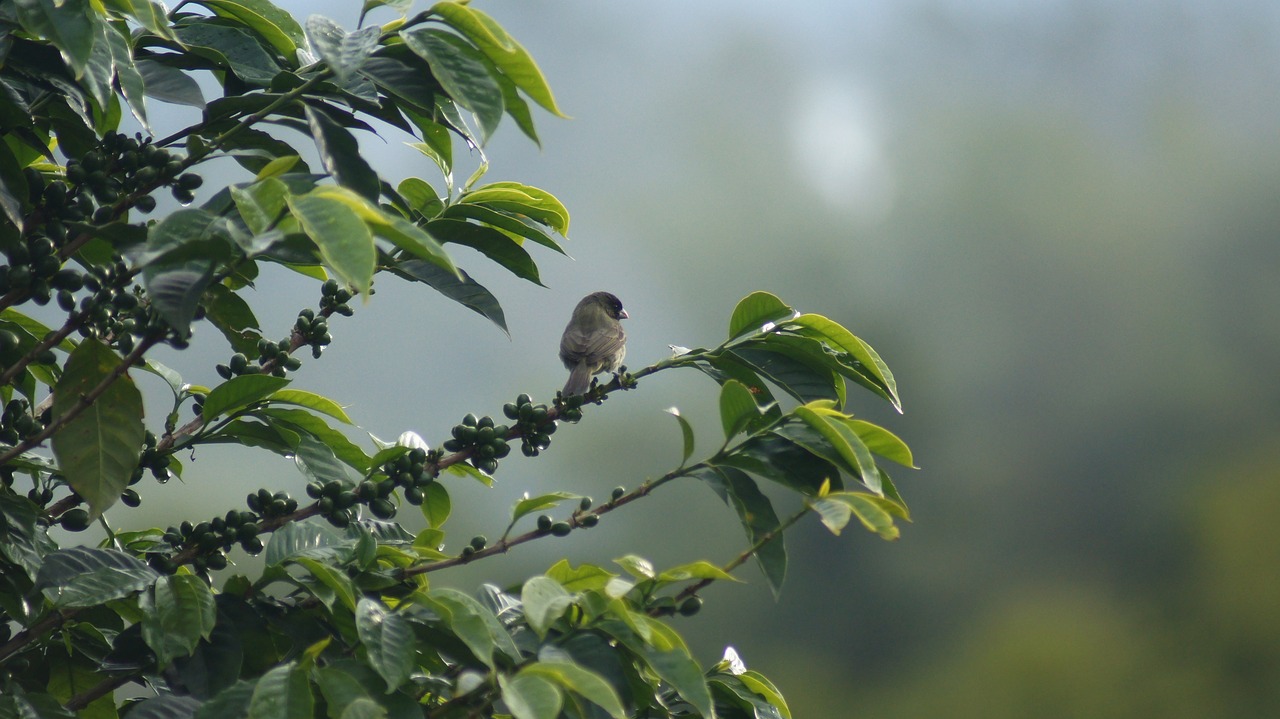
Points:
(342, 620)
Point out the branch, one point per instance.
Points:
(741, 559)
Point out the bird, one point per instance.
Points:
(594, 341)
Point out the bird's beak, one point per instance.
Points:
(623, 315)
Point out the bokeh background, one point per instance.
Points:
(1056, 220)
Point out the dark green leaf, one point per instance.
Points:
(165, 707)
(781, 460)
(345, 694)
(97, 450)
(317, 460)
(256, 151)
(233, 317)
(70, 25)
(345, 242)
(274, 24)
(388, 639)
(344, 52)
(493, 244)
(679, 670)
(177, 614)
(409, 83)
(230, 702)
(307, 423)
(471, 622)
(13, 186)
(282, 693)
(421, 196)
(464, 73)
(239, 392)
(231, 47)
(169, 83)
(86, 577)
(686, 433)
(304, 539)
(530, 696)
(737, 408)
(127, 75)
(340, 155)
(807, 376)
(178, 262)
(580, 681)
(758, 519)
(756, 310)
(26, 543)
(148, 14)
(465, 291)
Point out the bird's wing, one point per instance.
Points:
(597, 343)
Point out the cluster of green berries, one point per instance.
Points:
(334, 298)
(124, 165)
(269, 505)
(314, 331)
(410, 472)
(531, 420)
(11, 350)
(273, 358)
(212, 540)
(116, 309)
(487, 442)
(17, 422)
(667, 606)
(570, 408)
(478, 542)
(335, 500)
(157, 462)
(34, 268)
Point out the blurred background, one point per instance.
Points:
(1057, 221)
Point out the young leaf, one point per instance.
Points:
(700, 569)
(737, 408)
(239, 392)
(533, 202)
(97, 450)
(872, 511)
(855, 457)
(756, 310)
(686, 432)
(882, 442)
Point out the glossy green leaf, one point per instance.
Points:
(855, 457)
(127, 76)
(513, 224)
(581, 681)
(463, 72)
(181, 253)
(533, 202)
(177, 613)
(344, 52)
(317, 460)
(86, 577)
(755, 311)
(882, 442)
(465, 291)
(274, 24)
(400, 6)
(530, 696)
(388, 639)
(13, 186)
(26, 541)
(470, 621)
(298, 539)
(70, 25)
(408, 79)
(528, 505)
(758, 518)
(679, 670)
(801, 367)
(638, 567)
(872, 511)
(328, 583)
(148, 14)
(782, 460)
(311, 401)
(421, 196)
(345, 241)
(545, 601)
(340, 155)
(261, 203)
(169, 84)
(758, 683)
(686, 434)
(502, 49)
(305, 423)
(839, 338)
(233, 48)
(583, 578)
(436, 505)
(738, 408)
(283, 692)
(233, 317)
(239, 392)
(99, 448)
(493, 244)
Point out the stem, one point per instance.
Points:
(741, 559)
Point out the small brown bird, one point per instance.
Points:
(594, 340)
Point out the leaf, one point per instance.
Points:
(283, 692)
(388, 640)
(465, 291)
(13, 186)
(177, 614)
(311, 401)
(737, 408)
(502, 49)
(758, 518)
(842, 339)
(274, 24)
(169, 84)
(638, 567)
(299, 539)
(400, 232)
(148, 14)
(239, 392)
(462, 71)
(261, 203)
(758, 683)
(162, 707)
(86, 577)
(70, 25)
(854, 456)
(679, 670)
(510, 223)
(530, 696)
(343, 52)
(127, 75)
(529, 505)
(782, 460)
(686, 433)
(233, 317)
(26, 543)
(882, 442)
(493, 244)
(469, 621)
(343, 238)
(232, 48)
(532, 202)
(872, 511)
(700, 569)
(545, 601)
(178, 262)
(580, 681)
(97, 450)
(755, 311)
(436, 505)
(318, 462)
(305, 423)
(421, 196)
(340, 155)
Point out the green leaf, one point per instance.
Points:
(532, 202)
(700, 569)
(97, 450)
(545, 601)
(512, 224)
(465, 291)
(469, 621)
(86, 577)
(400, 232)
(282, 693)
(148, 14)
(232, 48)
(70, 25)
(346, 695)
(686, 433)
(528, 505)
(501, 49)
(462, 71)
(177, 614)
(305, 423)
(388, 639)
(581, 681)
(298, 539)
(495, 245)
(13, 186)
(169, 84)
(854, 456)
(530, 696)
(340, 155)
(311, 401)
(178, 262)
(26, 542)
(755, 311)
(875, 513)
(758, 683)
(436, 505)
(839, 338)
(343, 238)
(882, 442)
(330, 583)
(261, 203)
(782, 460)
(240, 392)
(317, 461)
(127, 75)
(421, 196)
(344, 52)
(679, 670)
(802, 369)
(230, 702)
(737, 408)
(233, 317)
(758, 520)
(275, 25)
(638, 567)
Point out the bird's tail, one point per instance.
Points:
(579, 379)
